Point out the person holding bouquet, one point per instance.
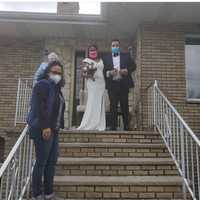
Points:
(92, 70)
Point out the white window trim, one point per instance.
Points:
(188, 99)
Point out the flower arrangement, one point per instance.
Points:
(88, 69)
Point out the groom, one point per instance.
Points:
(118, 67)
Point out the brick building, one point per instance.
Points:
(157, 36)
(162, 36)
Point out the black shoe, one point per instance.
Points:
(126, 128)
(52, 197)
(40, 197)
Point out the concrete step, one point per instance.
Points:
(111, 136)
(124, 187)
(115, 166)
(112, 150)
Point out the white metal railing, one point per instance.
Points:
(23, 99)
(182, 143)
(15, 172)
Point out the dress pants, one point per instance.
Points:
(118, 95)
(46, 158)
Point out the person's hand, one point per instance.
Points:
(123, 72)
(46, 133)
(113, 72)
(84, 74)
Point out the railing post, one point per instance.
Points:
(17, 101)
(154, 103)
(183, 160)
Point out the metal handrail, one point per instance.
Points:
(182, 143)
(24, 91)
(180, 118)
(16, 170)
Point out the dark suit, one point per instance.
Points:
(118, 89)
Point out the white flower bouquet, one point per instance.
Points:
(89, 68)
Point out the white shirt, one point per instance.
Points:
(116, 65)
(116, 61)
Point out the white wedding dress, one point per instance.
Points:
(94, 115)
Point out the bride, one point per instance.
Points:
(94, 115)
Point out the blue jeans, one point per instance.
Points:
(46, 158)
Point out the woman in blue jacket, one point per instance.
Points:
(45, 118)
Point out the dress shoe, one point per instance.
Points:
(52, 197)
(40, 197)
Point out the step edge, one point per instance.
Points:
(110, 132)
(114, 161)
(122, 180)
(114, 144)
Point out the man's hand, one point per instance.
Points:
(113, 72)
(123, 72)
(46, 133)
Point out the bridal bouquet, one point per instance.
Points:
(89, 68)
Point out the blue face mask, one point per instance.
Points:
(115, 50)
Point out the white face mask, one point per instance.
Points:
(55, 77)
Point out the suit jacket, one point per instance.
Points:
(125, 63)
(42, 113)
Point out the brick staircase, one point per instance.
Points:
(115, 165)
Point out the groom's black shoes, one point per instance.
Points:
(126, 128)
(113, 129)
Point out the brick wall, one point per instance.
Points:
(162, 57)
(19, 58)
(136, 111)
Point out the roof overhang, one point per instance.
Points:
(117, 20)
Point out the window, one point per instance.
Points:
(192, 61)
